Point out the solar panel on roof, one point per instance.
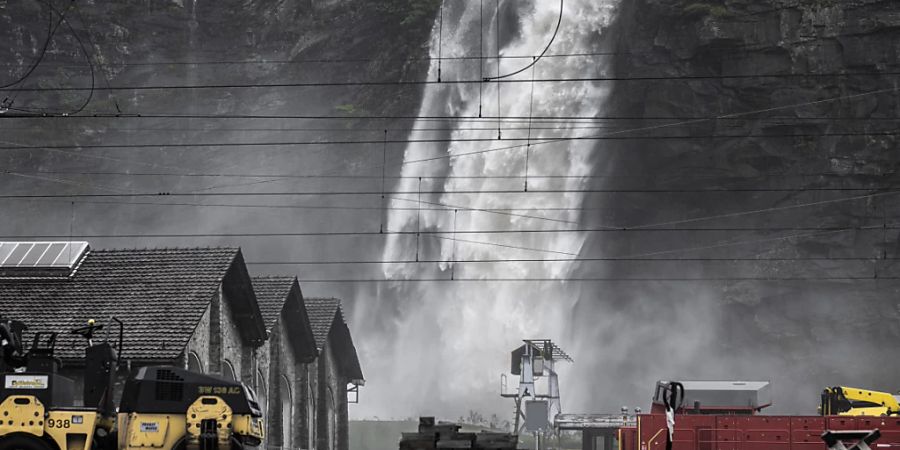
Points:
(41, 255)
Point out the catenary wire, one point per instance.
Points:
(51, 30)
(597, 279)
(401, 83)
(878, 227)
(431, 192)
(534, 60)
(571, 260)
(610, 137)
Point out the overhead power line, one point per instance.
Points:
(642, 129)
(555, 125)
(622, 190)
(571, 260)
(51, 31)
(723, 179)
(347, 207)
(547, 141)
(430, 192)
(504, 211)
(609, 137)
(535, 59)
(878, 227)
(726, 48)
(401, 83)
(869, 278)
(555, 119)
(662, 252)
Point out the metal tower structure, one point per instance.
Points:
(535, 359)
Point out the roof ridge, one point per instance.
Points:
(160, 249)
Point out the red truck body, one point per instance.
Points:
(751, 432)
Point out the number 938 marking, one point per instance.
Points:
(59, 423)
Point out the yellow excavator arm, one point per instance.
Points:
(849, 401)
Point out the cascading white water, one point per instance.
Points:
(445, 351)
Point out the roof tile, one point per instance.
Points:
(271, 293)
(160, 295)
(321, 312)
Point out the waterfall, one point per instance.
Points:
(444, 351)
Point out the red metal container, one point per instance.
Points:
(758, 432)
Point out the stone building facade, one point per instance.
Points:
(284, 361)
(334, 371)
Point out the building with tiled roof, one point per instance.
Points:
(161, 296)
(285, 362)
(322, 313)
(338, 372)
(196, 308)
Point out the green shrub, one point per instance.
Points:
(411, 12)
(706, 9)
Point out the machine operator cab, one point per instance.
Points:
(171, 408)
(38, 407)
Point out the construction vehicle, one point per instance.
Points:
(161, 407)
(434, 435)
(848, 401)
(727, 415)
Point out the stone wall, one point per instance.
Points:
(199, 343)
(309, 378)
(332, 432)
(285, 373)
(232, 344)
(319, 410)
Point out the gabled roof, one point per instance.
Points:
(280, 297)
(271, 293)
(329, 327)
(159, 294)
(322, 312)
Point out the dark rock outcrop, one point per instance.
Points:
(787, 112)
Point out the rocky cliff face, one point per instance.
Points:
(786, 155)
(802, 165)
(196, 42)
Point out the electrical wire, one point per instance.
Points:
(721, 179)
(716, 260)
(687, 249)
(614, 136)
(96, 48)
(560, 125)
(455, 119)
(51, 30)
(441, 234)
(400, 83)
(598, 279)
(648, 128)
(346, 207)
(433, 192)
(727, 48)
(87, 55)
(534, 60)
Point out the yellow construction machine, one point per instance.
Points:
(161, 407)
(849, 401)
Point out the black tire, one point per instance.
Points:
(237, 444)
(108, 442)
(180, 444)
(24, 442)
